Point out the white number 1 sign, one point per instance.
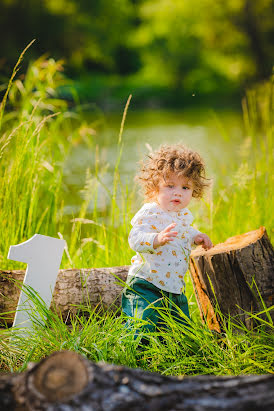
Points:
(43, 255)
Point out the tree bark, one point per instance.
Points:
(227, 273)
(97, 286)
(67, 381)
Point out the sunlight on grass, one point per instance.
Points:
(101, 336)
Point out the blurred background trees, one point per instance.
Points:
(199, 47)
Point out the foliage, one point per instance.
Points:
(85, 33)
(203, 46)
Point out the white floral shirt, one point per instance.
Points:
(165, 266)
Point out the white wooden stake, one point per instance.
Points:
(43, 255)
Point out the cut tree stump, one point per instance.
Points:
(227, 272)
(93, 287)
(67, 381)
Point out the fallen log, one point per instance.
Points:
(74, 287)
(226, 275)
(67, 381)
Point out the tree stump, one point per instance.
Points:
(74, 287)
(228, 273)
(67, 381)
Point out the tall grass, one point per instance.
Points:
(243, 200)
(38, 132)
(179, 350)
(30, 176)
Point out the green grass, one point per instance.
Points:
(101, 336)
(241, 198)
(38, 131)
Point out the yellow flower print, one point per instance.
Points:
(147, 243)
(141, 243)
(182, 236)
(180, 276)
(159, 253)
(168, 274)
(149, 279)
(161, 282)
(185, 213)
(154, 271)
(174, 253)
(153, 226)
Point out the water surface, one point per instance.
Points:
(215, 135)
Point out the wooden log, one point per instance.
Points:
(67, 381)
(97, 286)
(227, 272)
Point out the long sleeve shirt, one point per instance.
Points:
(165, 266)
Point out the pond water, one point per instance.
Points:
(215, 135)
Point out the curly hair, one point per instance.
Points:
(169, 159)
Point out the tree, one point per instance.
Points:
(204, 44)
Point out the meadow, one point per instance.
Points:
(38, 130)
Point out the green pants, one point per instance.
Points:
(141, 299)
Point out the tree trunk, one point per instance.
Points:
(67, 381)
(97, 286)
(228, 273)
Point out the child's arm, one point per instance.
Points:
(199, 238)
(165, 236)
(193, 234)
(142, 235)
(203, 240)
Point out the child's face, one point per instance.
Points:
(175, 193)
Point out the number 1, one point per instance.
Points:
(43, 255)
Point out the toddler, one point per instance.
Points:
(162, 234)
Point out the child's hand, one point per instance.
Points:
(203, 240)
(165, 236)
